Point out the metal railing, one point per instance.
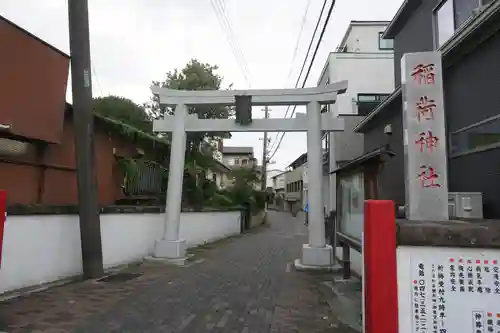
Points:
(347, 242)
(337, 237)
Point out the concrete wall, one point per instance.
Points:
(257, 219)
(391, 185)
(365, 72)
(38, 249)
(365, 38)
(416, 36)
(348, 144)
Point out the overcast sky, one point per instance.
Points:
(134, 42)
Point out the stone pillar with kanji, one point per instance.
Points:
(424, 137)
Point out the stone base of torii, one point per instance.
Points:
(316, 254)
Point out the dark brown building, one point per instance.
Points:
(37, 151)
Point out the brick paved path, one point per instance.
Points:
(246, 284)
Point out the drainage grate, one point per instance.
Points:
(120, 277)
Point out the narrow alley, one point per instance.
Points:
(245, 284)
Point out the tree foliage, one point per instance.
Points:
(124, 110)
(194, 76)
(244, 177)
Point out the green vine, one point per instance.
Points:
(130, 170)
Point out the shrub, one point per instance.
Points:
(220, 200)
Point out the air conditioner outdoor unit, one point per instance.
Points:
(468, 205)
(10, 147)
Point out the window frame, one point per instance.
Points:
(380, 39)
(379, 97)
(435, 22)
(478, 149)
(456, 28)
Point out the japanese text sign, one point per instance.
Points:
(448, 290)
(425, 136)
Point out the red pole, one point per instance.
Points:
(3, 215)
(380, 269)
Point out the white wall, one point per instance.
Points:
(38, 249)
(365, 38)
(365, 73)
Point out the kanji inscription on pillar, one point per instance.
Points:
(444, 290)
(424, 126)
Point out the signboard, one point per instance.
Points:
(448, 290)
(424, 137)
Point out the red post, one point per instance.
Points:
(380, 269)
(3, 206)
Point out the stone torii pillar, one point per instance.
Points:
(316, 253)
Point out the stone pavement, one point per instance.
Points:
(246, 284)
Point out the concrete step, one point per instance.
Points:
(345, 301)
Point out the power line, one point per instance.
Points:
(302, 69)
(222, 4)
(224, 22)
(94, 74)
(299, 37)
(330, 10)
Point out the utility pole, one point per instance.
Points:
(264, 154)
(83, 118)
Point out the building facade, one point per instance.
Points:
(467, 35)
(277, 180)
(37, 148)
(366, 61)
(294, 183)
(235, 157)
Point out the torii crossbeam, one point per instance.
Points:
(317, 252)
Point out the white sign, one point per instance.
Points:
(448, 290)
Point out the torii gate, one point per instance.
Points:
(317, 252)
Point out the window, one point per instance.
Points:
(368, 102)
(444, 22)
(480, 136)
(385, 44)
(450, 15)
(236, 161)
(371, 98)
(463, 10)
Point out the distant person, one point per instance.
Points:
(306, 210)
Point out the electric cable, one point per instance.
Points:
(325, 25)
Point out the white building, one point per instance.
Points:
(276, 179)
(367, 62)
